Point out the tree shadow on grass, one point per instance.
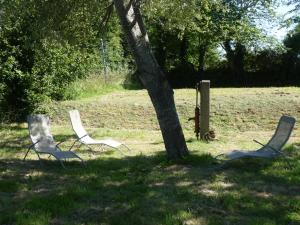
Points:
(149, 190)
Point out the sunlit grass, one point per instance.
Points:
(95, 85)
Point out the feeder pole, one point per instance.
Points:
(204, 107)
(197, 113)
(104, 59)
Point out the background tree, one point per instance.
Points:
(190, 29)
(295, 18)
(202, 25)
(47, 45)
(292, 40)
(242, 17)
(292, 56)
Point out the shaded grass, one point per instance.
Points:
(150, 190)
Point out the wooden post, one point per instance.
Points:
(204, 107)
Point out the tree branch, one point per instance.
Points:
(105, 20)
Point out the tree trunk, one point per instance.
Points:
(239, 59)
(229, 54)
(235, 58)
(184, 50)
(153, 78)
(161, 51)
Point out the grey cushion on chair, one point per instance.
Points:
(42, 139)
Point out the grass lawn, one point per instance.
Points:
(143, 187)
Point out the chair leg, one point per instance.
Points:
(126, 147)
(122, 153)
(38, 155)
(82, 161)
(118, 149)
(72, 145)
(103, 147)
(62, 164)
(39, 158)
(221, 166)
(26, 154)
(89, 148)
(285, 159)
(216, 157)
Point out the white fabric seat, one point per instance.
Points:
(84, 138)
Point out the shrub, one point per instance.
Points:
(55, 66)
(15, 85)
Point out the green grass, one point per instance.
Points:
(95, 84)
(143, 187)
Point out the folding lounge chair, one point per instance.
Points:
(43, 142)
(84, 138)
(273, 148)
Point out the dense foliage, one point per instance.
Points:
(47, 45)
(218, 40)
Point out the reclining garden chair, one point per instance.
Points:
(273, 148)
(43, 142)
(84, 138)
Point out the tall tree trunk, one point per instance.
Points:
(153, 78)
(161, 51)
(229, 54)
(184, 50)
(235, 58)
(239, 59)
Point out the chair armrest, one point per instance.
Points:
(31, 147)
(66, 140)
(33, 144)
(278, 151)
(78, 139)
(59, 143)
(258, 143)
(82, 137)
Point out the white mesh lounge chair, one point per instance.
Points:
(273, 148)
(84, 138)
(43, 142)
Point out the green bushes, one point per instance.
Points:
(15, 88)
(45, 46)
(54, 67)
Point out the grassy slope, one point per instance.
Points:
(144, 188)
(241, 109)
(238, 115)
